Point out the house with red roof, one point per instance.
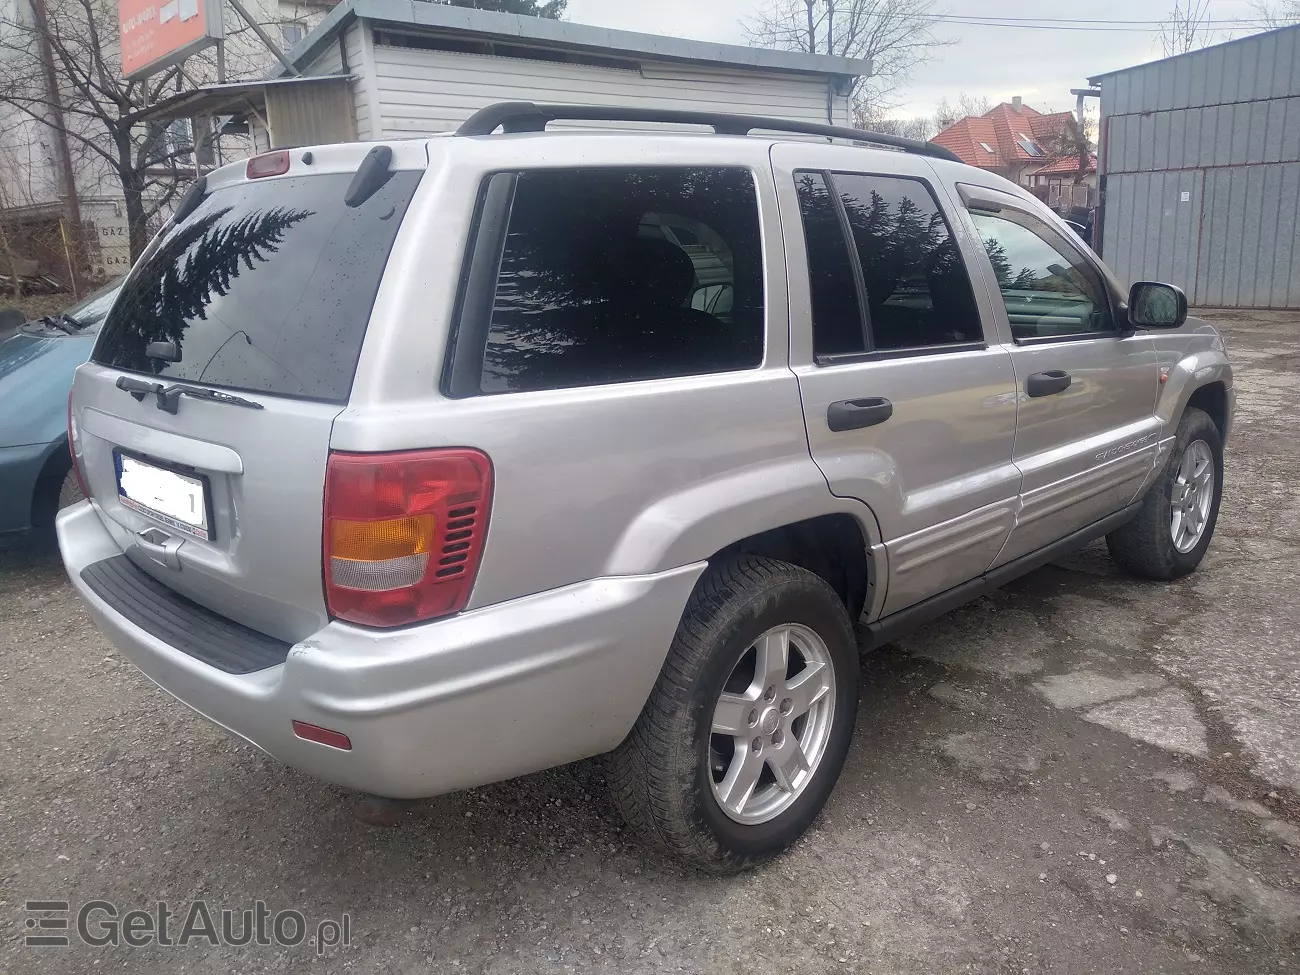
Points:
(1022, 144)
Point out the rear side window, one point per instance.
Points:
(267, 287)
(838, 326)
(618, 275)
(889, 257)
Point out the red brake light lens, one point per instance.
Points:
(404, 533)
(268, 164)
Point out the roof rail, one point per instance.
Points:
(528, 117)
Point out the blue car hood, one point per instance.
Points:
(35, 377)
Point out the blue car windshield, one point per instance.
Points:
(92, 311)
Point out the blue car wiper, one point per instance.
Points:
(64, 323)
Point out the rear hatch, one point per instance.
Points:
(203, 420)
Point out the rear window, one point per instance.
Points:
(619, 275)
(266, 287)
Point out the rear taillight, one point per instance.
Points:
(74, 448)
(268, 164)
(404, 533)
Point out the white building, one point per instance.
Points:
(397, 69)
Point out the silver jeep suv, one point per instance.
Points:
(427, 464)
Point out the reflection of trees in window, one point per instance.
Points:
(178, 280)
(584, 296)
(901, 246)
(1025, 280)
(916, 284)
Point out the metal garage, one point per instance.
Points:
(1200, 164)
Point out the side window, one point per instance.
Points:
(838, 328)
(900, 284)
(618, 275)
(918, 291)
(1049, 289)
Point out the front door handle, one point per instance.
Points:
(854, 414)
(1047, 383)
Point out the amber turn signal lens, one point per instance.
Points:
(379, 541)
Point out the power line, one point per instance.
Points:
(1077, 23)
(1068, 27)
(1076, 20)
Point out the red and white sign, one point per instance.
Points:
(159, 33)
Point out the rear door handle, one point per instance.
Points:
(854, 414)
(1047, 383)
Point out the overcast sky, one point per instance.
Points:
(998, 62)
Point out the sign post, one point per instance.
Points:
(157, 34)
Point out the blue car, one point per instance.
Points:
(36, 367)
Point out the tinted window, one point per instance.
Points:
(918, 291)
(837, 316)
(267, 286)
(615, 275)
(1048, 288)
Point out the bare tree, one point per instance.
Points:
(897, 35)
(946, 113)
(1072, 141)
(1272, 15)
(63, 71)
(1186, 28)
(916, 127)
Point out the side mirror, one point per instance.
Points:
(1155, 305)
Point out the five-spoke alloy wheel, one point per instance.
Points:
(1192, 496)
(1172, 530)
(745, 733)
(768, 738)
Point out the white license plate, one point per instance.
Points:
(177, 500)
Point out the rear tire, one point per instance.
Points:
(742, 741)
(70, 492)
(1171, 533)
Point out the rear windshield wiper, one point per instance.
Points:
(169, 397)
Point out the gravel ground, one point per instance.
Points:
(1080, 773)
(34, 306)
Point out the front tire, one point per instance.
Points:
(1171, 533)
(746, 731)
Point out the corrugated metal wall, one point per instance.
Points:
(1201, 157)
(420, 92)
(319, 115)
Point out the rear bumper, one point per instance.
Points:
(484, 696)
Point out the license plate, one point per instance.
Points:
(179, 501)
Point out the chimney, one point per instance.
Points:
(1016, 103)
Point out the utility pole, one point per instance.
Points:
(812, 27)
(830, 26)
(67, 180)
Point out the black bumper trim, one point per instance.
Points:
(179, 622)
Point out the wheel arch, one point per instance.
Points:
(55, 465)
(832, 546)
(1203, 380)
(1213, 399)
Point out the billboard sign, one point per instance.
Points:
(159, 33)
